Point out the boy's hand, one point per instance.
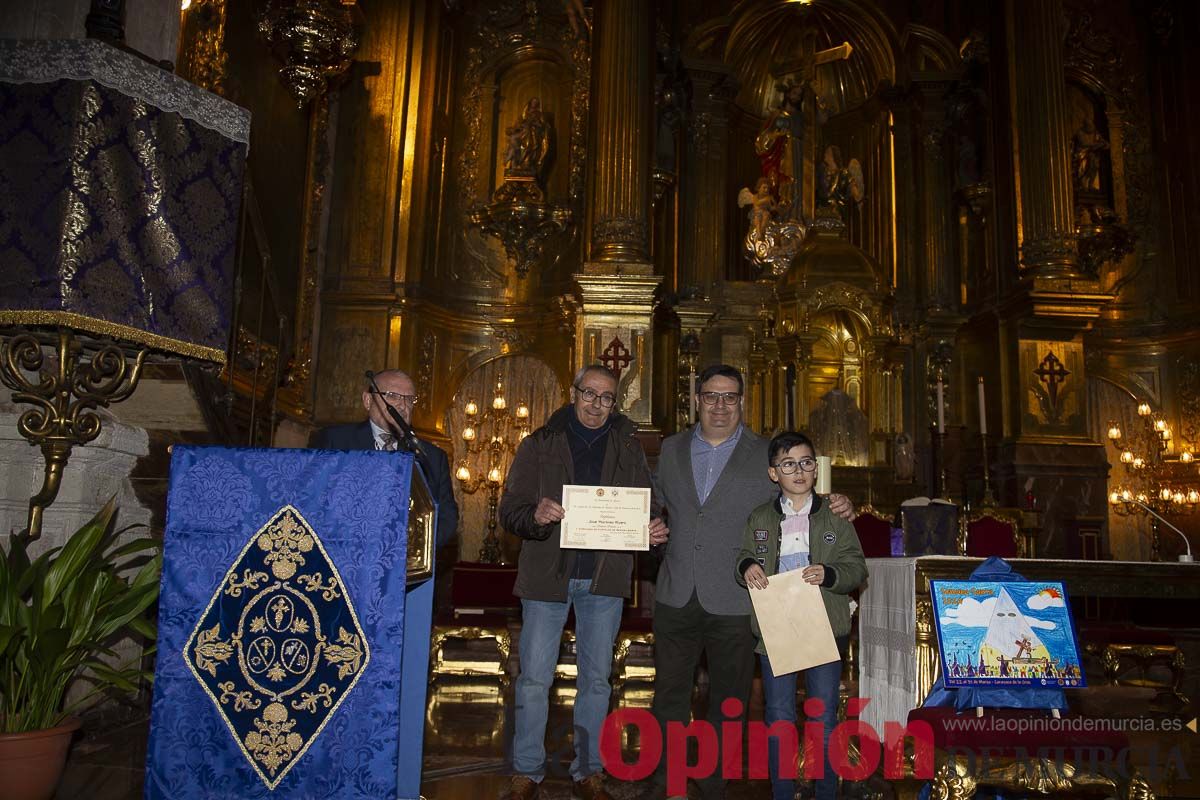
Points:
(841, 505)
(658, 531)
(814, 573)
(755, 577)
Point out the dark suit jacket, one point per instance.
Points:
(358, 436)
(705, 538)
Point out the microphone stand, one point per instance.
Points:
(1185, 558)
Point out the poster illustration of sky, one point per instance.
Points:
(1016, 633)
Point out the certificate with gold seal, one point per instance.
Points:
(605, 518)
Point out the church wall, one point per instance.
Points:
(415, 139)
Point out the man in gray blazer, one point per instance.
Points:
(711, 477)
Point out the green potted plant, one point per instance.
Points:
(60, 614)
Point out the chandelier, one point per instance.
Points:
(1154, 476)
(491, 437)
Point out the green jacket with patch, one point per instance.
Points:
(832, 543)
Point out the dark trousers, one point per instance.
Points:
(680, 636)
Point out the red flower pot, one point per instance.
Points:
(31, 763)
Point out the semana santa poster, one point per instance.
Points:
(1006, 634)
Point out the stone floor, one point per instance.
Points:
(469, 723)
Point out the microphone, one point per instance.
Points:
(407, 437)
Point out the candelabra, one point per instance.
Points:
(490, 437)
(1151, 484)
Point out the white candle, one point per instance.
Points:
(982, 410)
(941, 408)
(824, 474)
(691, 395)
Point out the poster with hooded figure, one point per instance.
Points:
(1006, 634)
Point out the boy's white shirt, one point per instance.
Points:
(795, 541)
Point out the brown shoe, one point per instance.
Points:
(522, 788)
(591, 788)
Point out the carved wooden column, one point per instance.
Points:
(704, 188)
(623, 100)
(1046, 215)
(939, 275)
(615, 322)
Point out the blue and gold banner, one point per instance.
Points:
(281, 625)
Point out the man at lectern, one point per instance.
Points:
(586, 443)
(376, 433)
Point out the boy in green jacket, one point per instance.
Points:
(796, 531)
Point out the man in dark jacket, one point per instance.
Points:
(376, 434)
(584, 443)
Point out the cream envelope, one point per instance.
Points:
(794, 624)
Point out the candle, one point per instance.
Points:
(824, 474)
(982, 410)
(691, 395)
(941, 408)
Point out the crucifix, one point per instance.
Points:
(800, 115)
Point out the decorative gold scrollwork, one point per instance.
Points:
(314, 583)
(348, 654)
(250, 580)
(308, 700)
(273, 743)
(210, 650)
(284, 543)
(64, 400)
(241, 700)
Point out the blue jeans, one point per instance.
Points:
(779, 696)
(597, 620)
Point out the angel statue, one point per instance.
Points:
(838, 183)
(761, 203)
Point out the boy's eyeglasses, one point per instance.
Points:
(788, 467)
(589, 396)
(726, 398)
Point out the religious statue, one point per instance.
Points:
(839, 184)
(779, 146)
(519, 214)
(528, 142)
(761, 203)
(1086, 147)
(840, 429)
(967, 118)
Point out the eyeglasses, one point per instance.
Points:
(590, 396)
(788, 467)
(726, 398)
(401, 399)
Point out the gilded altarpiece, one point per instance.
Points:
(514, 53)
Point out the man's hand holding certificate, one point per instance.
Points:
(607, 518)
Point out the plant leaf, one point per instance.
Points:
(82, 548)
